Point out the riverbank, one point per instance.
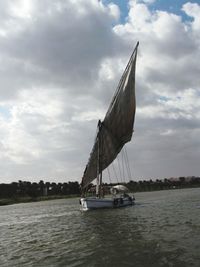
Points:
(17, 200)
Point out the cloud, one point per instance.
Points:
(60, 63)
(56, 44)
(193, 10)
(167, 116)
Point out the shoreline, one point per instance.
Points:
(18, 200)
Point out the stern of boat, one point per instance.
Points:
(89, 203)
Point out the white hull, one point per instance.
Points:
(90, 203)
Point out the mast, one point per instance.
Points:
(99, 170)
(97, 186)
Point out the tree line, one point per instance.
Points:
(158, 184)
(164, 184)
(34, 190)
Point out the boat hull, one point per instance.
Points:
(90, 203)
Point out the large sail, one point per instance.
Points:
(117, 126)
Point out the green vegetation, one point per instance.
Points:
(165, 184)
(23, 191)
(154, 185)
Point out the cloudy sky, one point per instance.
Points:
(60, 62)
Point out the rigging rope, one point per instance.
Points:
(128, 165)
(109, 175)
(120, 172)
(115, 173)
(123, 170)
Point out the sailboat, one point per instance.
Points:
(112, 134)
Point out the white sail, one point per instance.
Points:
(117, 126)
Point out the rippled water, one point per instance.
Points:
(162, 229)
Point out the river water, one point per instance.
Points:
(161, 229)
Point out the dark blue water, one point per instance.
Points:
(162, 229)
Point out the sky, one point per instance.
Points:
(60, 63)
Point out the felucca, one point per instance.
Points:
(112, 134)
